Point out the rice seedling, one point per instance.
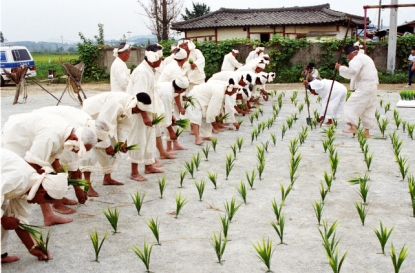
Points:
(362, 143)
(183, 123)
(411, 128)
(411, 187)
(285, 192)
(182, 176)
(233, 148)
(239, 142)
(190, 167)
(260, 168)
(335, 122)
(293, 146)
(300, 108)
(231, 208)
(251, 178)
(276, 209)
(253, 134)
(383, 235)
(157, 119)
(334, 163)
(178, 132)
(274, 107)
(95, 242)
(230, 163)
(162, 185)
(403, 165)
(112, 217)
(318, 210)
(303, 135)
(224, 220)
(138, 199)
(260, 154)
(240, 121)
(280, 103)
(200, 188)
(265, 252)
(242, 191)
(251, 118)
(396, 118)
(330, 132)
(328, 179)
(256, 115)
(327, 142)
(213, 178)
(279, 227)
(265, 145)
(323, 192)
(154, 225)
(404, 124)
(387, 107)
(275, 113)
(205, 151)
(79, 183)
(316, 114)
(283, 130)
(362, 211)
(407, 95)
(144, 254)
(289, 122)
(214, 141)
(377, 115)
(180, 202)
(219, 245)
(364, 190)
(383, 125)
(368, 160)
(294, 163)
(274, 138)
(222, 118)
(196, 160)
(359, 179)
(293, 98)
(314, 123)
(381, 102)
(334, 260)
(38, 237)
(261, 111)
(397, 261)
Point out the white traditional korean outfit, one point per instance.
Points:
(119, 75)
(337, 98)
(37, 137)
(171, 71)
(116, 109)
(362, 103)
(143, 80)
(230, 63)
(353, 80)
(253, 55)
(197, 75)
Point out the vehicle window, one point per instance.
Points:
(3, 56)
(21, 55)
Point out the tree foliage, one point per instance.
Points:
(199, 9)
(160, 14)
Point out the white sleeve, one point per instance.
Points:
(200, 61)
(234, 62)
(351, 71)
(110, 112)
(214, 107)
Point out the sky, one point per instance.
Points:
(56, 20)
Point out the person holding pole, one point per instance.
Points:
(362, 103)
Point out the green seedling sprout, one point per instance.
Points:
(334, 163)
(154, 225)
(293, 146)
(377, 115)
(200, 188)
(323, 192)
(327, 142)
(403, 165)
(276, 209)
(214, 141)
(205, 151)
(224, 220)
(285, 192)
(404, 124)
(283, 130)
(112, 217)
(368, 160)
(138, 199)
(242, 191)
(411, 128)
(162, 185)
(279, 228)
(231, 208)
(240, 121)
(265, 251)
(294, 164)
(381, 103)
(383, 124)
(196, 161)
(265, 145)
(180, 202)
(144, 254)
(411, 188)
(182, 176)
(233, 148)
(303, 135)
(300, 108)
(251, 178)
(383, 235)
(96, 244)
(318, 210)
(230, 163)
(219, 245)
(364, 190)
(274, 139)
(362, 211)
(251, 118)
(213, 177)
(328, 179)
(334, 261)
(387, 107)
(289, 122)
(260, 168)
(398, 260)
(190, 167)
(397, 119)
(239, 142)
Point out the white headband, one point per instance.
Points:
(235, 51)
(260, 48)
(261, 65)
(144, 107)
(180, 54)
(152, 56)
(116, 50)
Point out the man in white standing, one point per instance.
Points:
(230, 63)
(120, 73)
(196, 73)
(257, 53)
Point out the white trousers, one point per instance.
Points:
(145, 137)
(362, 103)
(195, 115)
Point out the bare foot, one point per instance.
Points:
(61, 208)
(150, 169)
(351, 130)
(199, 142)
(168, 156)
(56, 220)
(366, 134)
(9, 259)
(110, 181)
(177, 146)
(92, 193)
(69, 202)
(157, 164)
(138, 177)
(207, 138)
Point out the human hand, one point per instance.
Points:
(147, 121)
(9, 223)
(320, 119)
(80, 195)
(110, 151)
(172, 136)
(193, 66)
(337, 66)
(39, 254)
(305, 82)
(236, 125)
(182, 110)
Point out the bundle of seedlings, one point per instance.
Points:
(39, 238)
(157, 119)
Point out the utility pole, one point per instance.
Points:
(380, 3)
(393, 31)
(62, 44)
(129, 32)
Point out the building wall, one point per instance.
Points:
(231, 33)
(136, 57)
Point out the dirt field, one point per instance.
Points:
(184, 241)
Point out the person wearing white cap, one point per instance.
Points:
(143, 132)
(170, 58)
(21, 185)
(337, 98)
(257, 53)
(120, 73)
(168, 91)
(118, 109)
(208, 101)
(76, 118)
(358, 47)
(40, 138)
(363, 102)
(230, 63)
(196, 60)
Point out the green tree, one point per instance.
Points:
(199, 9)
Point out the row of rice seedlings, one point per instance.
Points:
(205, 151)
(112, 216)
(230, 163)
(242, 191)
(411, 188)
(303, 134)
(138, 199)
(162, 185)
(407, 95)
(330, 243)
(364, 186)
(200, 188)
(213, 177)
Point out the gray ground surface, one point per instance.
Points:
(185, 243)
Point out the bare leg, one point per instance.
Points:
(163, 153)
(150, 169)
(60, 207)
(135, 175)
(108, 181)
(195, 129)
(91, 191)
(50, 219)
(367, 134)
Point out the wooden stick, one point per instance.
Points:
(335, 71)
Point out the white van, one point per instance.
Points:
(11, 57)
